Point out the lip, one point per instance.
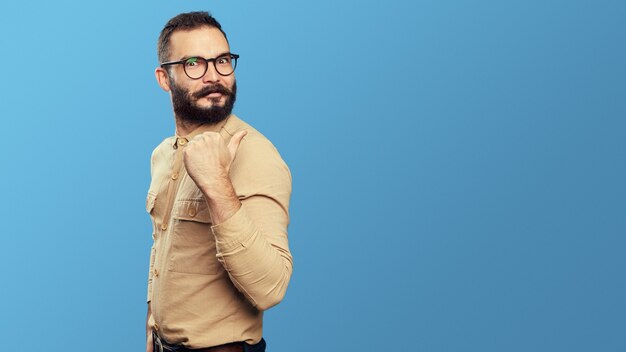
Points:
(214, 95)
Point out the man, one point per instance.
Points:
(218, 200)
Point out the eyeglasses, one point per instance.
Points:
(195, 67)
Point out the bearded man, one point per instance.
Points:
(218, 201)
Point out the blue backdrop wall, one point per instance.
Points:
(458, 170)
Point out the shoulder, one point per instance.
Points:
(257, 160)
(166, 143)
(162, 148)
(254, 143)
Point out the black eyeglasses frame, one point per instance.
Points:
(233, 57)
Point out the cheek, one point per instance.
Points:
(193, 88)
(229, 81)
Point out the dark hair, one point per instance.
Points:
(186, 22)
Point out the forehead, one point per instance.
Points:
(207, 42)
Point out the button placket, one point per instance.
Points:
(173, 183)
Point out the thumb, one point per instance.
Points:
(234, 142)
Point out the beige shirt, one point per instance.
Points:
(209, 284)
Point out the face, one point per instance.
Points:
(209, 99)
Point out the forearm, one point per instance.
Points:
(221, 199)
(248, 203)
(253, 264)
(148, 326)
(150, 274)
(258, 267)
(149, 322)
(149, 339)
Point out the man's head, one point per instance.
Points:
(186, 42)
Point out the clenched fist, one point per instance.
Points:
(207, 158)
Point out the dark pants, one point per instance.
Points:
(259, 347)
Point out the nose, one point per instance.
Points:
(211, 75)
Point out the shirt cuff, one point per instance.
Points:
(235, 233)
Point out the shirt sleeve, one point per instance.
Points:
(252, 244)
(150, 274)
(150, 201)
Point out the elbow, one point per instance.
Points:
(268, 301)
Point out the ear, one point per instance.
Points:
(162, 78)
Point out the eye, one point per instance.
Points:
(223, 60)
(191, 62)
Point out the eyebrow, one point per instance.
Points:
(190, 56)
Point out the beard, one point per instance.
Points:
(186, 108)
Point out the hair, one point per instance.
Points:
(184, 22)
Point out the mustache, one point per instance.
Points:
(218, 88)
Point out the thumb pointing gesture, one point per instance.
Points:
(234, 143)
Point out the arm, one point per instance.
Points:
(252, 243)
(251, 234)
(149, 342)
(150, 274)
(150, 201)
(149, 320)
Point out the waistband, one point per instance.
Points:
(161, 345)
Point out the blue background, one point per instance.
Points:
(459, 170)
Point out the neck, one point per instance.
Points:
(184, 127)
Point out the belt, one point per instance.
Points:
(161, 345)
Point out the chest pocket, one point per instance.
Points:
(193, 243)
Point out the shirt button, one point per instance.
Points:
(192, 212)
(174, 175)
(164, 226)
(182, 141)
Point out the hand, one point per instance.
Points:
(207, 158)
(149, 342)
